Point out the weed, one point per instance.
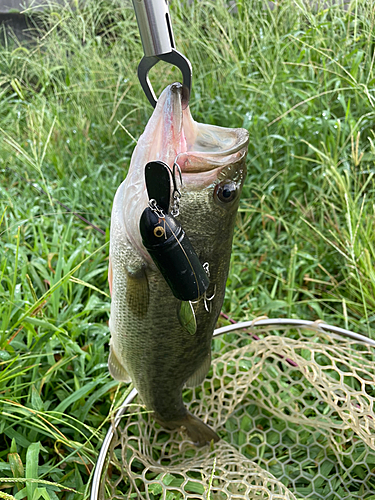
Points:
(301, 81)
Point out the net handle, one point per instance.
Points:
(94, 495)
(312, 325)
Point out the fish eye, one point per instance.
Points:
(159, 231)
(226, 191)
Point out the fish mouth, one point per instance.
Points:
(203, 148)
(173, 136)
(214, 149)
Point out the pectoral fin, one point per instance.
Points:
(137, 292)
(200, 374)
(116, 369)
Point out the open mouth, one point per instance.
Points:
(195, 147)
(208, 147)
(209, 153)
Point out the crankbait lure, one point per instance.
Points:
(166, 241)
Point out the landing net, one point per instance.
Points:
(293, 405)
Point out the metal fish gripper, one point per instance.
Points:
(156, 33)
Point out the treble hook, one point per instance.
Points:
(207, 300)
(177, 167)
(176, 194)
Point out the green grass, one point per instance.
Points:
(302, 82)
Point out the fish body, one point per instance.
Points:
(151, 344)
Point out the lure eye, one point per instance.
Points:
(159, 231)
(226, 191)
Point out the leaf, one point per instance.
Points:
(41, 493)
(76, 396)
(16, 465)
(13, 446)
(16, 86)
(20, 439)
(273, 305)
(21, 495)
(32, 462)
(2, 217)
(168, 479)
(73, 279)
(96, 396)
(155, 488)
(194, 487)
(43, 323)
(36, 400)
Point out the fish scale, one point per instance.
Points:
(150, 343)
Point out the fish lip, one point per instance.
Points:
(176, 88)
(198, 161)
(192, 164)
(196, 179)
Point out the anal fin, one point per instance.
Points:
(200, 374)
(116, 369)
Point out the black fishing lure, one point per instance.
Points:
(165, 239)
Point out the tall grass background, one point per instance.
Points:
(300, 79)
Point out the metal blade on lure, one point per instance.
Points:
(158, 184)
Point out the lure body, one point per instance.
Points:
(166, 241)
(174, 255)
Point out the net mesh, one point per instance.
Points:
(294, 408)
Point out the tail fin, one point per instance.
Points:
(200, 433)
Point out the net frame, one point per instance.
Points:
(319, 326)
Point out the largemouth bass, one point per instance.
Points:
(151, 344)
